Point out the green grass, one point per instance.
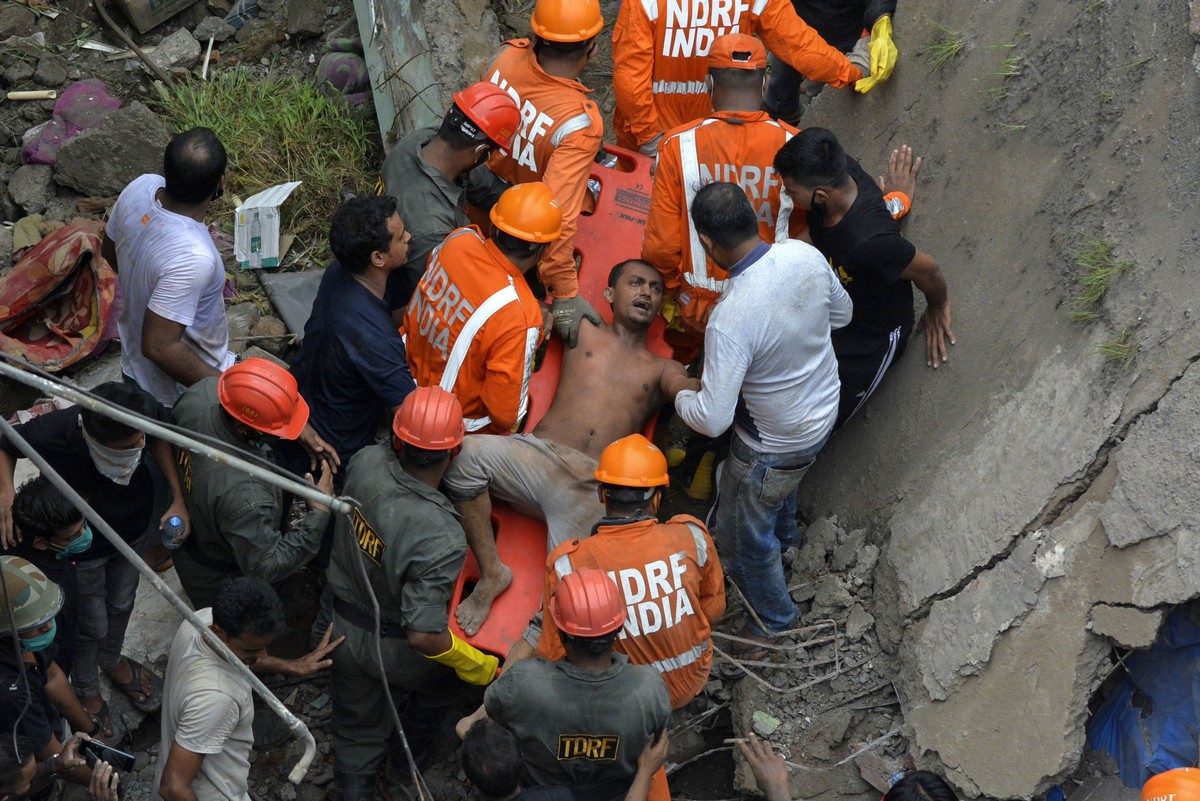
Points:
(1009, 127)
(284, 130)
(1009, 68)
(1098, 269)
(1120, 348)
(942, 48)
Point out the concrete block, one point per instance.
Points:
(100, 162)
(1127, 626)
(31, 187)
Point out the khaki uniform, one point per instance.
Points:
(235, 517)
(412, 548)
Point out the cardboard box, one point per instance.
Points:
(256, 226)
(145, 14)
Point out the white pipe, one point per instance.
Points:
(143, 423)
(294, 723)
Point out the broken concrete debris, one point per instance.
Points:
(180, 49)
(1127, 626)
(102, 161)
(31, 187)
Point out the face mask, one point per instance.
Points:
(115, 465)
(76, 546)
(40, 642)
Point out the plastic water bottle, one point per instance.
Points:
(172, 532)
(255, 242)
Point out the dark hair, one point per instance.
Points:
(421, 458)
(515, 247)
(105, 429)
(40, 510)
(560, 49)
(451, 131)
(588, 646)
(921, 785)
(248, 605)
(193, 165)
(618, 270)
(736, 79)
(722, 212)
(812, 157)
(360, 228)
(491, 758)
(12, 762)
(627, 496)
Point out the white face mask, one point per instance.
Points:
(115, 465)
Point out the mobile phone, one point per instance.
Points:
(101, 752)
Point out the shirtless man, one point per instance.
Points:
(609, 387)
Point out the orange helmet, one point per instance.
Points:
(632, 461)
(529, 212)
(430, 418)
(587, 603)
(263, 395)
(566, 20)
(1180, 784)
(490, 111)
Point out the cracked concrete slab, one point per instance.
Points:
(1127, 626)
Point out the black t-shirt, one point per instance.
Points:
(841, 22)
(868, 254)
(351, 365)
(58, 437)
(42, 720)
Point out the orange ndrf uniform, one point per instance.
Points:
(734, 146)
(557, 142)
(659, 49)
(472, 327)
(674, 591)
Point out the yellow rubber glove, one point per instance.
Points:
(670, 313)
(883, 55)
(472, 665)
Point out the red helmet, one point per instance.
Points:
(587, 603)
(263, 395)
(430, 418)
(632, 461)
(491, 110)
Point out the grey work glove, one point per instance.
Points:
(650, 147)
(569, 314)
(860, 56)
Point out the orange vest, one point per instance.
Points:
(674, 591)
(734, 146)
(557, 142)
(660, 50)
(472, 327)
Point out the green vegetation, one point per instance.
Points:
(1009, 127)
(1098, 270)
(1009, 67)
(1121, 347)
(285, 130)
(945, 45)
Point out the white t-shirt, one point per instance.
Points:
(769, 367)
(168, 264)
(207, 708)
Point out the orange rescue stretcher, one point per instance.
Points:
(611, 233)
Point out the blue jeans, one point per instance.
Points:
(756, 516)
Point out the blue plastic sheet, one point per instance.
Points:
(1151, 722)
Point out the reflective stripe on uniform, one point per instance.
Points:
(701, 543)
(679, 87)
(784, 217)
(682, 660)
(580, 122)
(651, 8)
(689, 165)
(562, 565)
(458, 354)
(759, 6)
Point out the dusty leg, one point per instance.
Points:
(494, 575)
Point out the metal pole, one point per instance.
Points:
(294, 723)
(142, 423)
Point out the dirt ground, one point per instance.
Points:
(1054, 125)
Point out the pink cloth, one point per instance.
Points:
(82, 105)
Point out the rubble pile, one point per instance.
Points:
(826, 701)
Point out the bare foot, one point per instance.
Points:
(474, 610)
(902, 172)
